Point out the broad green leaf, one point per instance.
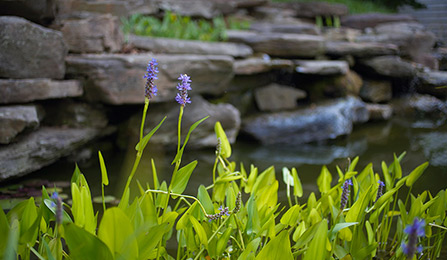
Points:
(352, 165)
(357, 210)
(4, 231)
(340, 226)
(105, 179)
(370, 232)
(90, 218)
(183, 222)
(12, 241)
(124, 201)
(397, 168)
(83, 245)
(223, 241)
(29, 223)
(148, 239)
(386, 176)
(250, 250)
(76, 174)
(415, 174)
(65, 216)
(266, 178)
(299, 231)
(291, 216)
(324, 180)
(385, 197)
(251, 179)
(317, 250)
(297, 187)
(253, 223)
(154, 175)
(147, 137)
(179, 154)
(225, 147)
(181, 177)
(116, 231)
(54, 248)
(364, 252)
(199, 231)
(277, 248)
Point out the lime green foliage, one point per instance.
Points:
(354, 6)
(182, 27)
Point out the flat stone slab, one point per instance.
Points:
(379, 112)
(15, 119)
(275, 97)
(176, 46)
(321, 67)
(362, 21)
(360, 49)
(26, 90)
(255, 65)
(298, 28)
(390, 66)
(118, 78)
(434, 83)
(280, 44)
(325, 121)
(41, 148)
(28, 50)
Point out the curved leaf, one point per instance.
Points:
(225, 147)
(181, 177)
(83, 245)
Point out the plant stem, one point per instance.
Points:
(180, 195)
(212, 236)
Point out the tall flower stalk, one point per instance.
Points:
(345, 194)
(415, 230)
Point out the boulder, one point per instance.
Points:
(376, 91)
(340, 34)
(118, 79)
(280, 44)
(176, 46)
(38, 11)
(390, 66)
(26, 90)
(276, 97)
(433, 145)
(41, 148)
(28, 50)
(242, 83)
(417, 105)
(441, 56)
(333, 86)
(314, 9)
(198, 8)
(325, 121)
(73, 114)
(379, 112)
(297, 28)
(120, 8)
(15, 119)
(321, 67)
(349, 84)
(434, 83)
(370, 20)
(255, 65)
(203, 135)
(360, 49)
(98, 33)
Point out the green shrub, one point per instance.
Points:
(181, 27)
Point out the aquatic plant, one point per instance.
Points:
(237, 216)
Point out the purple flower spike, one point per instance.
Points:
(345, 194)
(182, 97)
(415, 230)
(379, 190)
(151, 76)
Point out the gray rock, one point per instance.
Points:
(376, 91)
(72, 114)
(38, 11)
(255, 65)
(434, 83)
(241, 83)
(99, 33)
(321, 67)
(298, 28)
(29, 50)
(418, 104)
(118, 79)
(276, 97)
(433, 144)
(176, 46)
(361, 50)
(370, 20)
(120, 8)
(390, 66)
(26, 90)
(41, 148)
(198, 8)
(203, 135)
(379, 112)
(280, 44)
(15, 119)
(314, 9)
(441, 56)
(340, 34)
(326, 121)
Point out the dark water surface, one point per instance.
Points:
(373, 142)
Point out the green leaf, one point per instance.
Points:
(357, 211)
(415, 174)
(297, 187)
(179, 155)
(223, 241)
(317, 248)
(225, 147)
(253, 223)
(76, 174)
(340, 226)
(83, 245)
(251, 179)
(324, 180)
(291, 216)
(387, 177)
(250, 250)
(199, 231)
(205, 199)
(181, 177)
(148, 239)
(277, 248)
(12, 241)
(105, 179)
(154, 175)
(117, 231)
(397, 168)
(65, 216)
(4, 231)
(147, 137)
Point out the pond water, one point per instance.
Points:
(422, 140)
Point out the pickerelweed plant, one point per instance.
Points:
(360, 215)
